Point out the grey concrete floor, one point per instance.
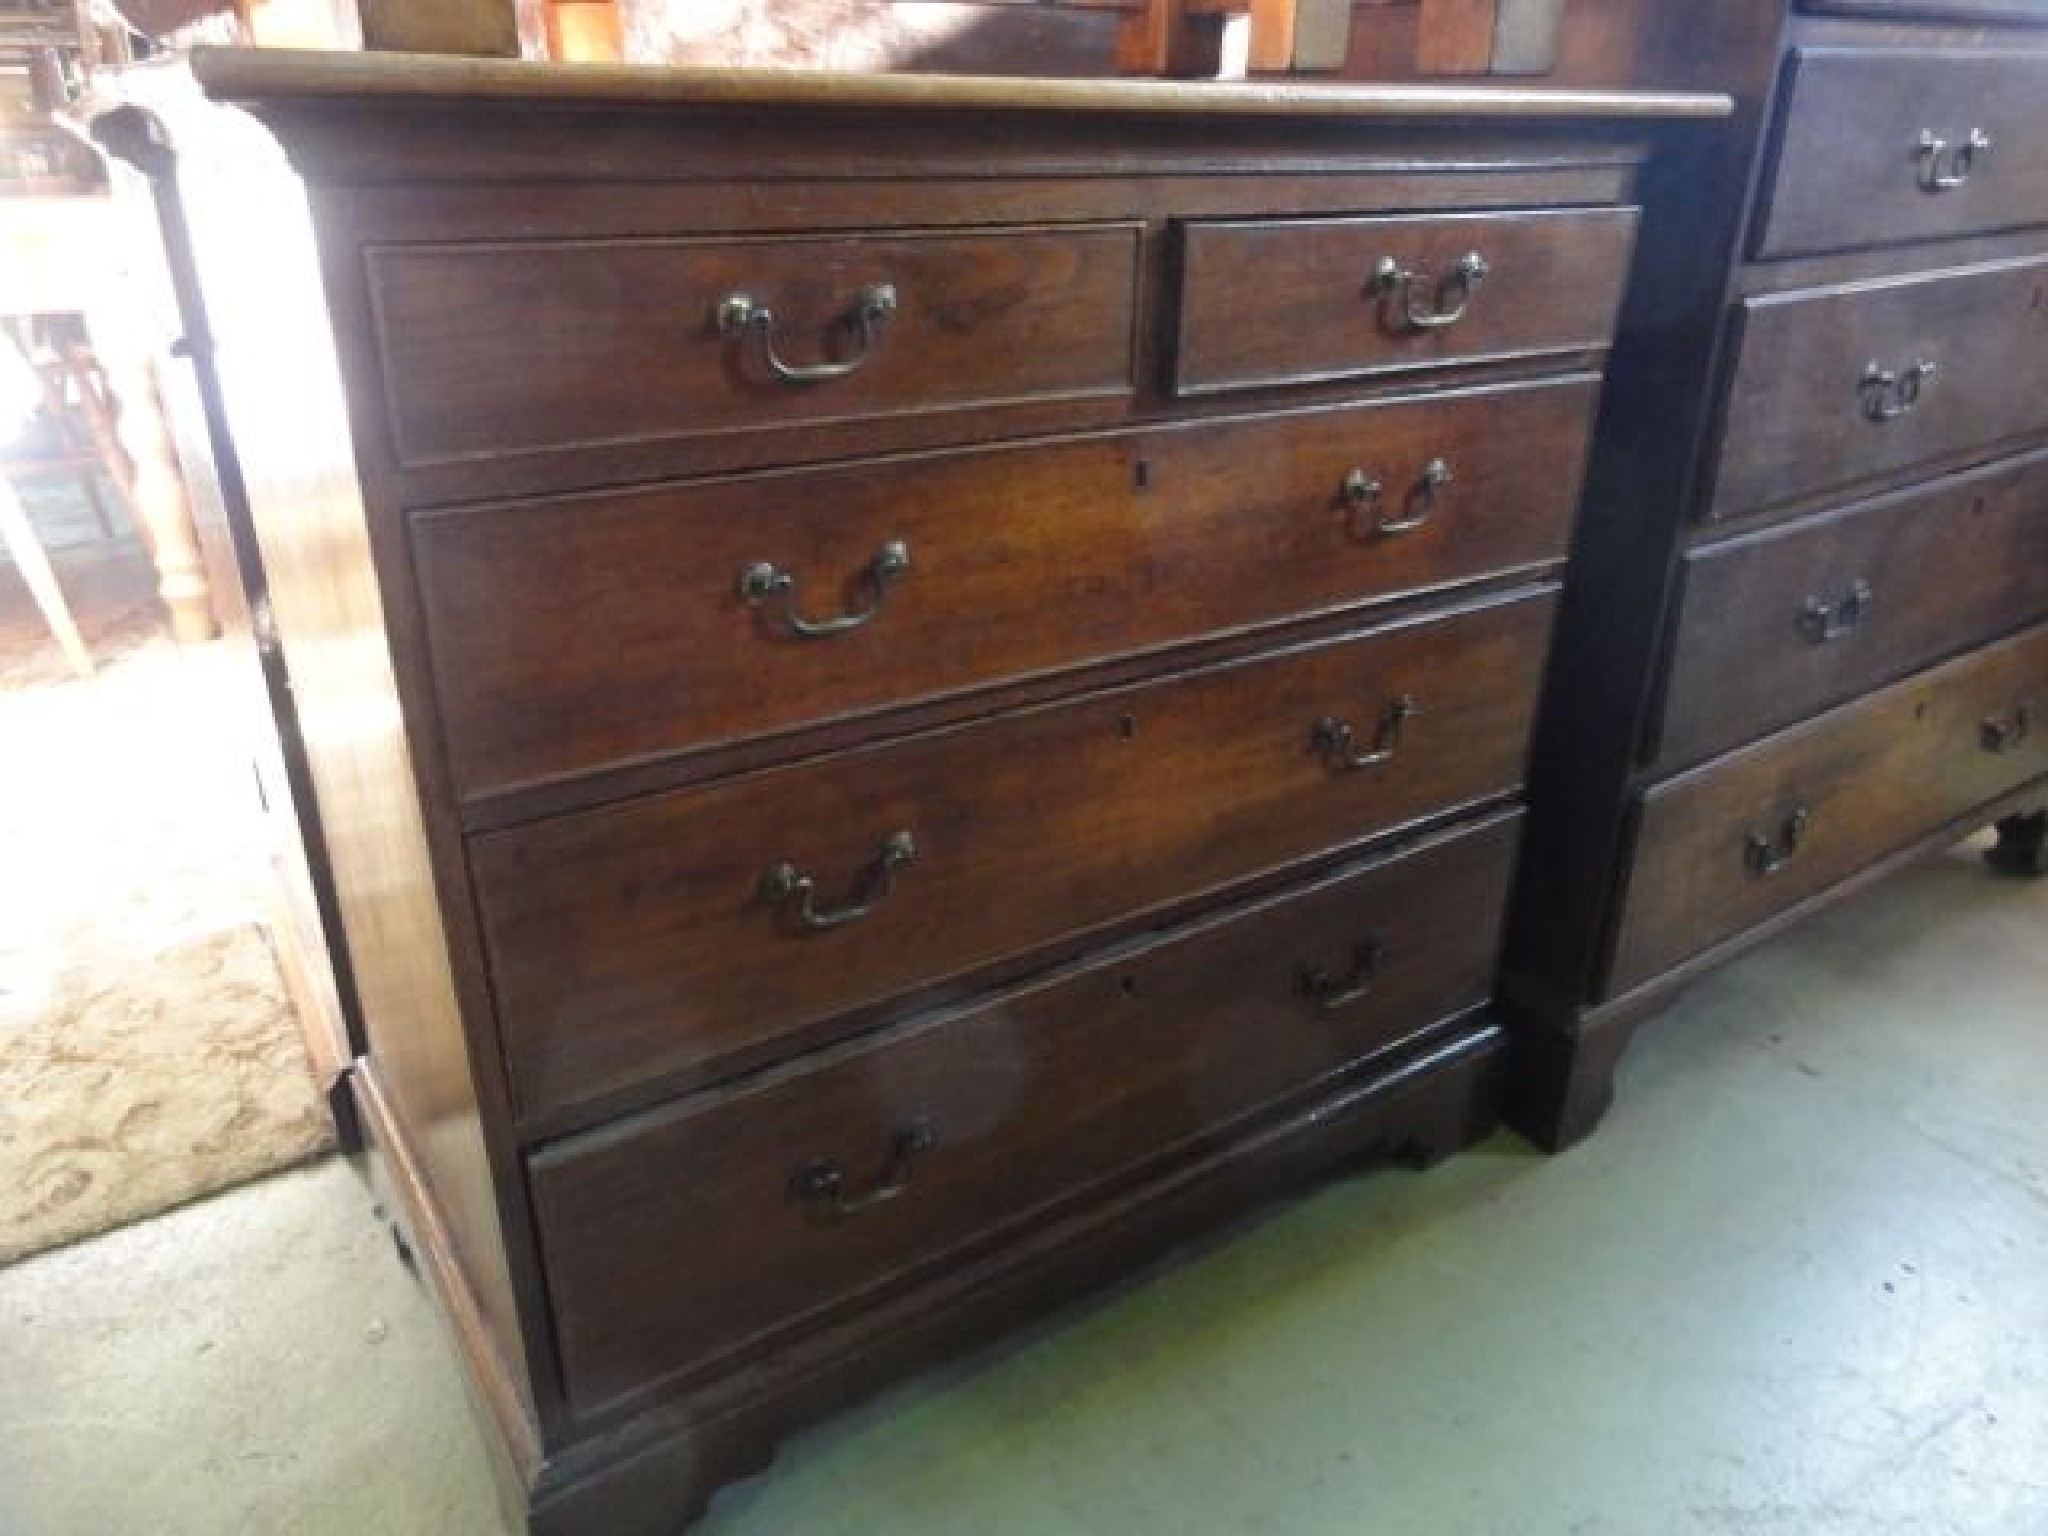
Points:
(1797, 1284)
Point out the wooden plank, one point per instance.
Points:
(1456, 37)
(1164, 39)
(482, 27)
(1527, 36)
(1295, 36)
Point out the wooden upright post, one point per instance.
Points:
(1165, 37)
(1299, 36)
(1456, 37)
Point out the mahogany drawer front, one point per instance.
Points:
(1730, 844)
(676, 933)
(516, 348)
(686, 1234)
(1779, 624)
(639, 634)
(1845, 385)
(2034, 12)
(1881, 147)
(1294, 301)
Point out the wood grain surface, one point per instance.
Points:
(680, 1238)
(635, 943)
(634, 641)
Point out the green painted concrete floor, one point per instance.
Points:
(1798, 1284)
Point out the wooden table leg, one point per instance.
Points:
(157, 493)
(34, 565)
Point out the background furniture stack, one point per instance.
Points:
(41, 45)
(1361, 39)
(895, 743)
(71, 438)
(1804, 642)
(1364, 39)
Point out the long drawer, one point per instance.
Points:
(1292, 301)
(1846, 385)
(1730, 844)
(526, 347)
(699, 929)
(1881, 147)
(652, 622)
(1779, 624)
(690, 1232)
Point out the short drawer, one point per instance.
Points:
(715, 927)
(689, 1233)
(1723, 848)
(1848, 385)
(1780, 624)
(527, 347)
(653, 622)
(1880, 147)
(1296, 301)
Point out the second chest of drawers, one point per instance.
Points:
(1821, 654)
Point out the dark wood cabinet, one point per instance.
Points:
(920, 689)
(1801, 645)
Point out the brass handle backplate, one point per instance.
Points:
(741, 317)
(762, 582)
(1945, 166)
(1336, 740)
(2007, 734)
(1412, 300)
(1887, 395)
(1361, 492)
(788, 888)
(821, 1186)
(1767, 854)
(1823, 623)
(1330, 993)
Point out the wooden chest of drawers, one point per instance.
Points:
(1829, 653)
(916, 691)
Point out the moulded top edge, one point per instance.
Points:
(276, 75)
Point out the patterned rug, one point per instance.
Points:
(148, 1052)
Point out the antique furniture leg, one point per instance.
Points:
(60, 368)
(157, 491)
(1561, 1083)
(2022, 847)
(81, 368)
(27, 552)
(68, 260)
